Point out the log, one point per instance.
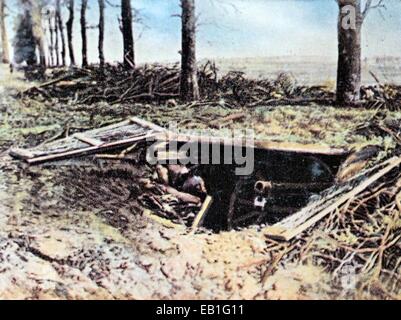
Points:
(185, 197)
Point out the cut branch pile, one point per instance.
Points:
(158, 84)
(359, 240)
(363, 235)
(161, 83)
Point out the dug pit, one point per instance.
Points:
(280, 185)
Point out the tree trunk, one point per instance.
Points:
(349, 51)
(38, 31)
(56, 47)
(101, 32)
(60, 24)
(70, 24)
(189, 77)
(128, 37)
(84, 6)
(3, 31)
(51, 45)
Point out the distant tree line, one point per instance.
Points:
(30, 39)
(41, 21)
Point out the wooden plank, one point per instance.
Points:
(88, 140)
(25, 154)
(109, 127)
(21, 154)
(257, 144)
(113, 157)
(89, 150)
(202, 213)
(88, 137)
(147, 124)
(275, 232)
(287, 234)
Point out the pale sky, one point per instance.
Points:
(239, 28)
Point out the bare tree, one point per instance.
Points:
(101, 32)
(51, 39)
(84, 6)
(70, 24)
(33, 26)
(3, 31)
(128, 37)
(60, 24)
(37, 26)
(56, 43)
(189, 77)
(350, 20)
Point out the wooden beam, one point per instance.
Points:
(147, 124)
(21, 154)
(91, 141)
(89, 150)
(88, 138)
(25, 154)
(113, 157)
(314, 149)
(202, 213)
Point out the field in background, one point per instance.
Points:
(311, 70)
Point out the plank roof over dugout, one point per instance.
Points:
(107, 138)
(133, 130)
